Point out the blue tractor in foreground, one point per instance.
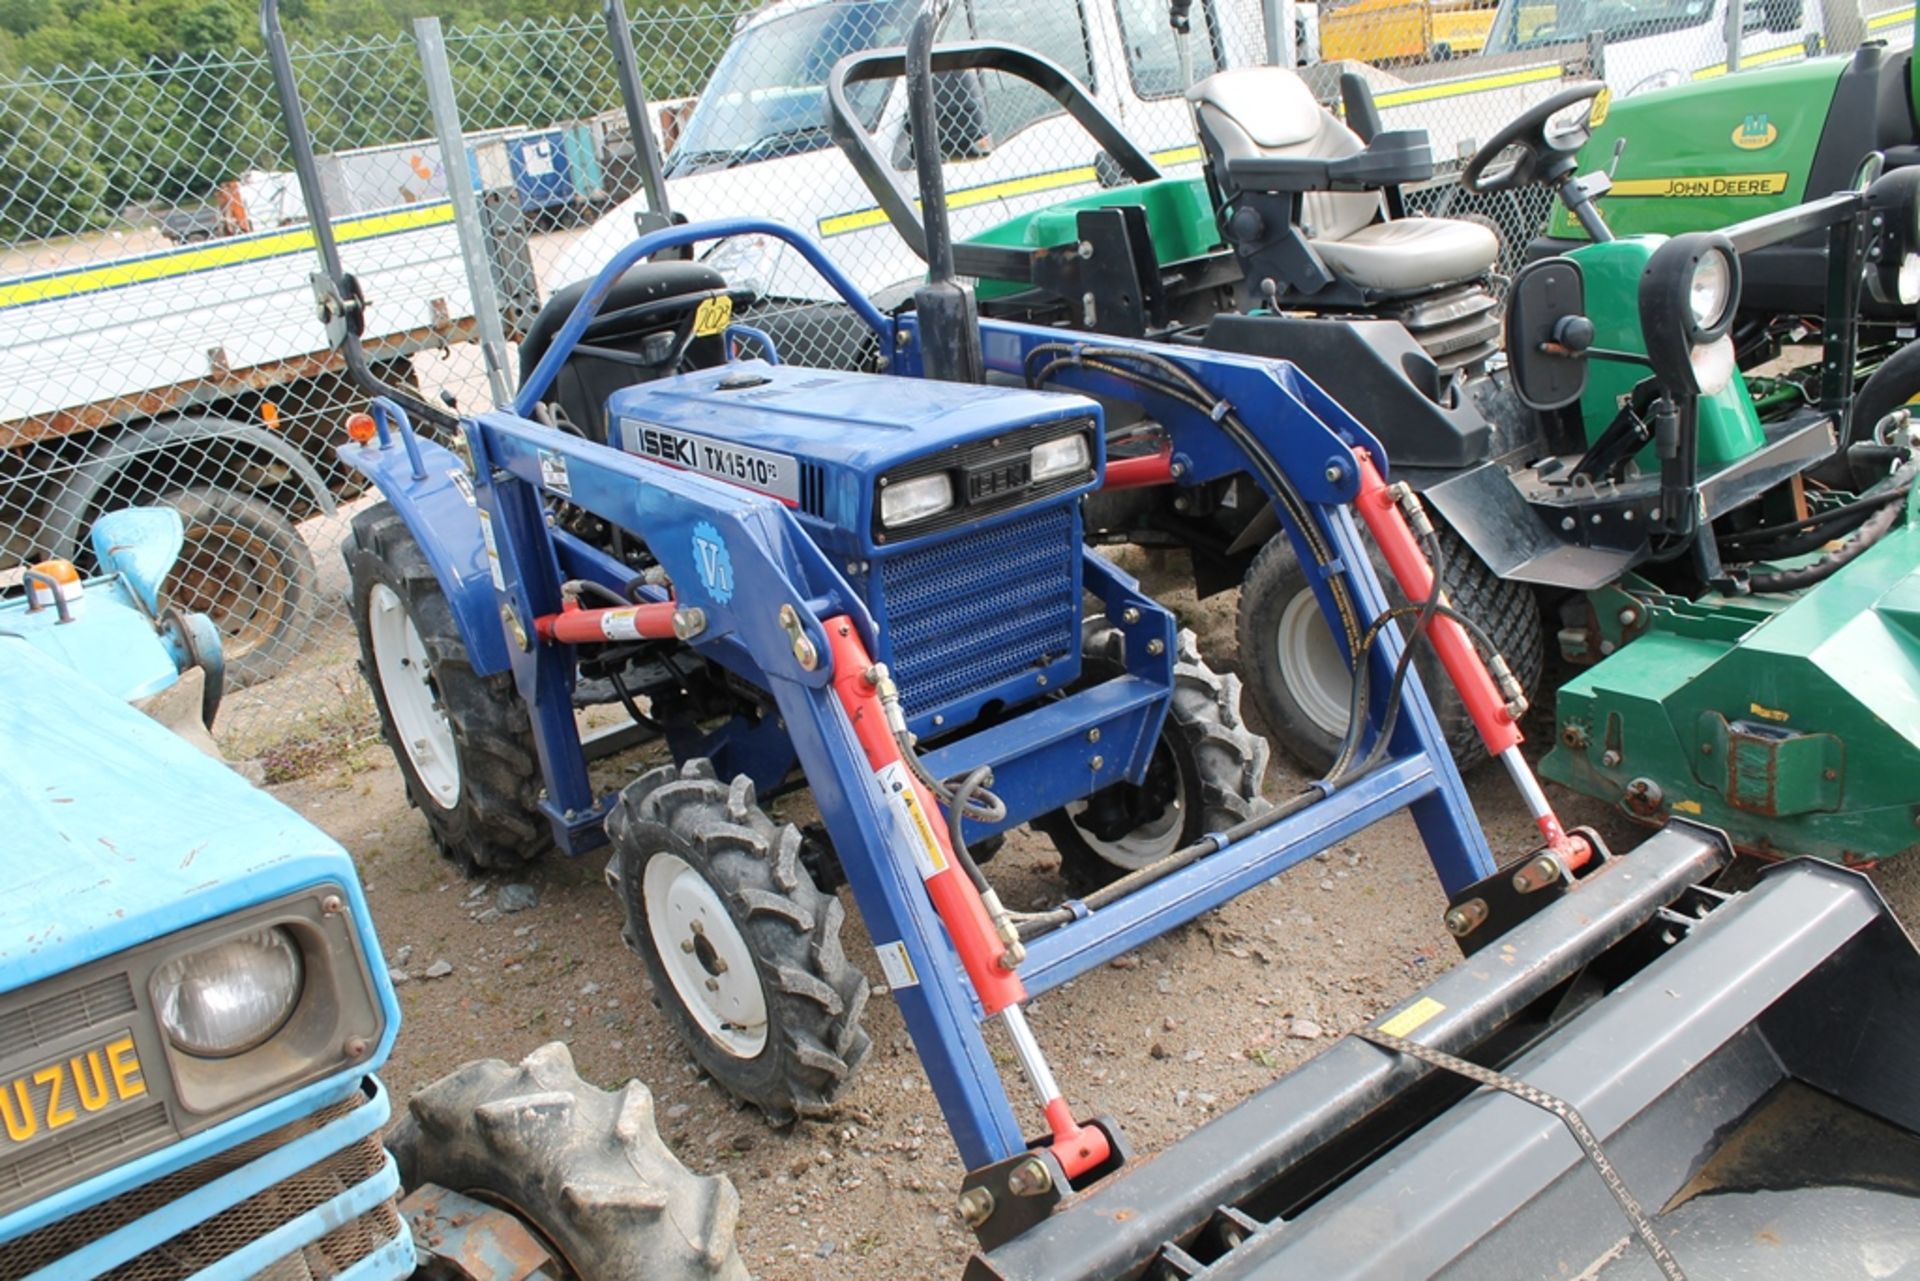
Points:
(875, 585)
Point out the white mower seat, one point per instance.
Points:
(1268, 111)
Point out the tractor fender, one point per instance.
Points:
(444, 518)
(112, 456)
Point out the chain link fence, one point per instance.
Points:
(156, 312)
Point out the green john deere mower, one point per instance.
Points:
(1601, 468)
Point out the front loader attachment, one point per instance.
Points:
(1740, 1064)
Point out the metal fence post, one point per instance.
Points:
(1277, 17)
(646, 146)
(1736, 27)
(466, 210)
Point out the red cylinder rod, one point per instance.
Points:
(917, 821)
(576, 626)
(1410, 569)
(1139, 472)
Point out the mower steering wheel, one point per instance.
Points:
(1536, 146)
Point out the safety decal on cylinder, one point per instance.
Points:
(712, 561)
(553, 473)
(897, 965)
(620, 624)
(493, 551)
(910, 820)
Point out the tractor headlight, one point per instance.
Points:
(1711, 296)
(905, 501)
(1689, 293)
(1893, 257)
(1060, 457)
(228, 998)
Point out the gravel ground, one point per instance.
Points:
(1163, 1039)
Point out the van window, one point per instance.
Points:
(1153, 59)
(1056, 29)
(767, 98)
(1527, 24)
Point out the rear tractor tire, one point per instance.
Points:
(245, 566)
(464, 741)
(584, 1168)
(743, 949)
(1205, 775)
(1300, 679)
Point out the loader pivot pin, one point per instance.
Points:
(1495, 711)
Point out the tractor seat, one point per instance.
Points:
(1269, 112)
(643, 331)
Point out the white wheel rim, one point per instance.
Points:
(704, 955)
(1312, 665)
(1147, 843)
(406, 679)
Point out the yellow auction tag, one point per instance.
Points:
(715, 314)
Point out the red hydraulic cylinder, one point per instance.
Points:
(982, 952)
(1410, 569)
(953, 894)
(576, 626)
(1491, 715)
(1138, 472)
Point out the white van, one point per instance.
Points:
(756, 142)
(1656, 44)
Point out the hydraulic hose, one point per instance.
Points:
(1877, 527)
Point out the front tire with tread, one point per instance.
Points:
(586, 1167)
(1208, 764)
(492, 821)
(812, 1040)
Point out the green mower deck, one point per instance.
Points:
(1720, 693)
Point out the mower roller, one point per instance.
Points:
(1613, 467)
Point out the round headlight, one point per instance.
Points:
(226, 999)
(1711, 293)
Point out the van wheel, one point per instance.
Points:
(245, 566)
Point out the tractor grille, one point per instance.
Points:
(207, 1242)
(52, 1020)
(968, 613)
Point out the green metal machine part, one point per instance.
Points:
(1710, 713)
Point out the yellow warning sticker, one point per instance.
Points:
(715, 314)
(1686, 807)
(1767, 713)
(1417, 1015)
(897, 965)
(911, 821)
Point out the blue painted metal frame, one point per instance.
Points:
(772, 562)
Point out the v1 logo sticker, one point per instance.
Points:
(714, 563)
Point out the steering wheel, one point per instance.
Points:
(1535, 144)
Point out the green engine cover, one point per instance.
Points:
(1729, 427)
(1708, 154)
(1793, 722)
(1180, 223)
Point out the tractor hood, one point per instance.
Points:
(829, 443)
(101, 859)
